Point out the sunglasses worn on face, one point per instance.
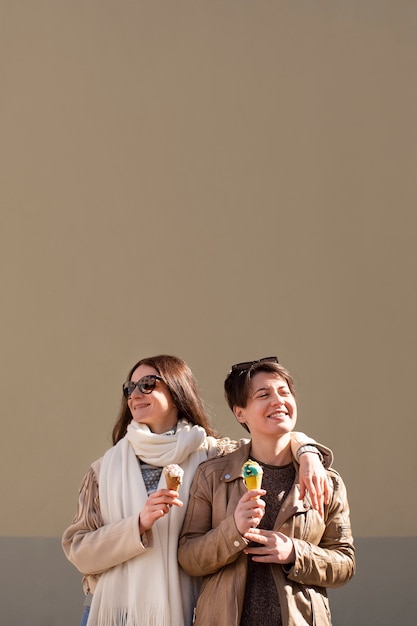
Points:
(145, 385)
(247, 365)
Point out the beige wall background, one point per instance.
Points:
(223, 181)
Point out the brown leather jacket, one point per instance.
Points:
(211, 547)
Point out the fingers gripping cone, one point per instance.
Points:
(173, 476)
(252, 474)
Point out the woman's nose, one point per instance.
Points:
(136, 392)
(276, 399)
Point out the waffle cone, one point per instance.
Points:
(253, 482)
(173, 482)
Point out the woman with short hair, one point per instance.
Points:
(265, 556)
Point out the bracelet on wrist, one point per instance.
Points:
(309, 448)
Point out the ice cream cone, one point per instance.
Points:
(252, 473)
(173, 476)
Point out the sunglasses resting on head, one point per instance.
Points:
(246, 365)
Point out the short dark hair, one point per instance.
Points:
(237, 383)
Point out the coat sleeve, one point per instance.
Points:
(331, 563)
(93, 547)
(204, 550)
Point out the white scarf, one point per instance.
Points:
(150, 589)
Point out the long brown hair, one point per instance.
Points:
(182, 385)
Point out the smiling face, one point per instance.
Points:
(271, 409)
(157, 409)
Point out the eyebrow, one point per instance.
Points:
(260, 389)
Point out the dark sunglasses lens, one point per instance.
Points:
(147, 384)
(243, 366)
(269, 359)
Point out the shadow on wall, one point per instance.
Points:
(39, 587)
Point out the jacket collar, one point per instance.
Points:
(233, 467)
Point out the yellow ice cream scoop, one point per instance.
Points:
(252, 474)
